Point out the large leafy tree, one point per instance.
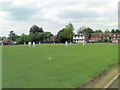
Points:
(80, 30)
(26, 38)
(113, 31)
(59, 35)
(36, 30)
(107, 31)
(44, 35)
(12, 36)
(31, 37)
(23, 38)
(117, 31)
(69, 27)
(88, 32)
(66, 33)
(97, 31)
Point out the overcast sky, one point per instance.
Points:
(53, 15)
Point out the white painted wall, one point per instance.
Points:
(79, 39)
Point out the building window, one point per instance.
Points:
(114, 35)
(114, 38)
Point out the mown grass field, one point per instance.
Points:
(30, 67)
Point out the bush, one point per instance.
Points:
(106, 40)
(100, 40)
(8, 42)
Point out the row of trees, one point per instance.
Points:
(43, 36)
(37, 34)
(82, 29)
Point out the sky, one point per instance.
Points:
(53, 15)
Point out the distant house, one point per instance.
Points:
(96, 36)
(52, 38)
(78, 38)
(115, 38)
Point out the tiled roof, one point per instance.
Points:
(94, 35)
(104, 34)
(98, 35)
(53, 37)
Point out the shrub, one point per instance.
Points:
(8, 42)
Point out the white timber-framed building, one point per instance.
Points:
(79, 38)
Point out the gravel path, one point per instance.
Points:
(103, 80)
(116, 84)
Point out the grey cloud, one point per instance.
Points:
(72, 14)
(96, 4)
(89, 4)
(19, 13)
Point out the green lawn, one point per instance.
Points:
(30, 67)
